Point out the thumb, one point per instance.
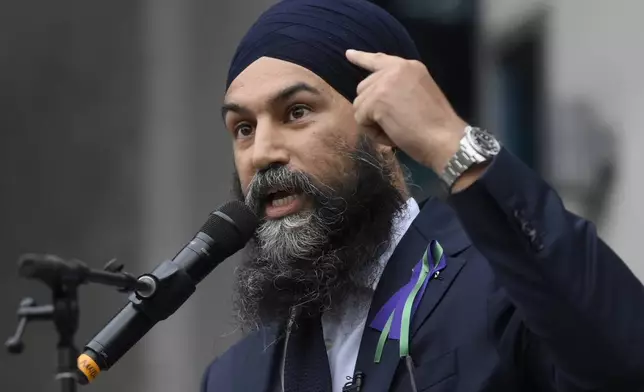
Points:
(377, 135)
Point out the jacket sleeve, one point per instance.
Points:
(582, 307)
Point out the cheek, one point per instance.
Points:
(345, 124)
(323, 157)
(243, 183)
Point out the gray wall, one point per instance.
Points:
(112, 146)
(595, 54)
(188, 171)
(70, 102)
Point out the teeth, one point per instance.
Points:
(282, 201)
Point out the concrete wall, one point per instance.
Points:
(188, 172)
(112, 146)
(70, 103)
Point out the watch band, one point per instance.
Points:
(467, 156)
(460, 162)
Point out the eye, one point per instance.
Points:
(243, 130)
(296, 112)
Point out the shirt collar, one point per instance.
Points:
(401, 222)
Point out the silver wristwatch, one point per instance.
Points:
(477, 146)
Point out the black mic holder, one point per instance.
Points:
(168, 287)
(63, 278)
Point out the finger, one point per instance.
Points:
(368, 82)
(370, 61)
(363, 112)
(363, 107)
(376, 134)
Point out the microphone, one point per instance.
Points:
(225, 232)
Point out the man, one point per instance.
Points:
(349, 283)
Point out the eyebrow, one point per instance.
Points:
(277, 98)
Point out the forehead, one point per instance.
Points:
(267, 75)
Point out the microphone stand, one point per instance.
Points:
(63, 278)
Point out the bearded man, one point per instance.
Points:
(349, 284)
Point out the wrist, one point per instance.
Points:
(469, 177)
(446, 146)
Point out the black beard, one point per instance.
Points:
(332, 255)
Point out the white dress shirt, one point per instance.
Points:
(342, 337)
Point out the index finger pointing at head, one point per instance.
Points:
(370, 61)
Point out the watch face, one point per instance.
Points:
(484, 143)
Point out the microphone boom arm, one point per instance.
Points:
(50, 268)
(63, 278)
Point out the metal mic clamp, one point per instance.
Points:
(28, 311)
(64, 313)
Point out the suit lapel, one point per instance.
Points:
(436, 221)
(396, 274)
(261, 362)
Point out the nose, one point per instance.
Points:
(269, 147)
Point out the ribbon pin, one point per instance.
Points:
(394, 318)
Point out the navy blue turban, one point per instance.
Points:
(315, 35)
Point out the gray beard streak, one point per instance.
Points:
(292, 237)
(295, 240)
(284, 247)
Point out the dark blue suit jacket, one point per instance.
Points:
(531, 300)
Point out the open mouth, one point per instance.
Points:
(280, 203)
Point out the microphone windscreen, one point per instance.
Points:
(233, 215)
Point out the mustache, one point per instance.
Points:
(282, 179)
